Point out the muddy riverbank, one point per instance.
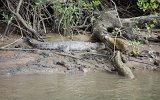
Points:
(26, 61)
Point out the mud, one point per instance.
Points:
(53, 61)
(16, 62)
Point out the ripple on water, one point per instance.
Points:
(88, 86)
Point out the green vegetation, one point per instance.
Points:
(149, 5)
(68, 17)
(75, 15)
(153, 7)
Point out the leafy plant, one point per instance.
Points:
(135, 46)
(151, 5)
(118, 31)
(33, 16)
(74, 15)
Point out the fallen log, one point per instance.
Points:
(100, 32)
(113, 44)
(141, 20)
(108, 21)
(121, 67)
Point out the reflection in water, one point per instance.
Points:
(86, 86)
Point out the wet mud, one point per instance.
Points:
(28, 61)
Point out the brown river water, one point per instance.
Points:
(82, 86)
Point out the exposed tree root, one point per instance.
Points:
(121, 67)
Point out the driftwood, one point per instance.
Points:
(119, 45)
(141, 20)
(121, 67)
(107, 21)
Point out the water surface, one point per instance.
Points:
(84, 86)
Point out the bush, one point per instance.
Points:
(74, 15)
(149, 5)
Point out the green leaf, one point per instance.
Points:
(155, 5)
(152, 1)
(146, 6)
(152, 25)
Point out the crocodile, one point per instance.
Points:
(65, 46)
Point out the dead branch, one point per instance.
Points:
(8, 25)
(112, 43)
(121, 67)
(19, 17)
(107, 20)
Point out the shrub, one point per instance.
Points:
(74, 15)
